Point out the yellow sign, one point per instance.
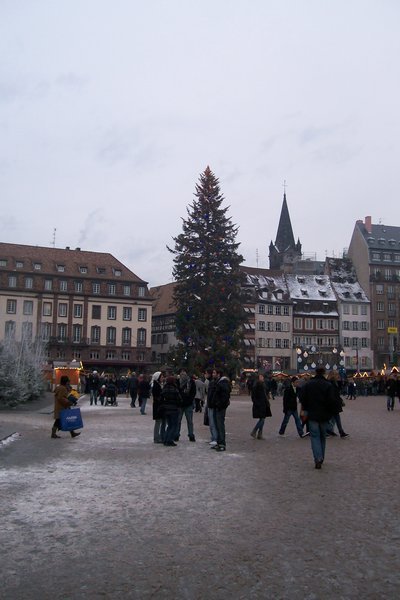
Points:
(392, 329)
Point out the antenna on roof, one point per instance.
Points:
(54, 237)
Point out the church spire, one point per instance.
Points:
(285, 252)
(284, 237)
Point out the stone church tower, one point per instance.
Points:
(285, 253)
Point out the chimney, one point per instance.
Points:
(368, 224)
(67, 247)
(77, 249)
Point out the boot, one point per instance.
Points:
(260, 435)
(54, 433)
(254, 433)
(75, 433)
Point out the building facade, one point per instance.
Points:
(375, 253)
(85, 306)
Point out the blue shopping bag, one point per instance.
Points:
(70, 419)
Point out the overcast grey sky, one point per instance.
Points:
(109, 111)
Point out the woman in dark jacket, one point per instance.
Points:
(261, 406)
(170, 406)
(159, 423)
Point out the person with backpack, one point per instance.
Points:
(187, 388)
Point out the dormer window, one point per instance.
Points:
(382, 241)
(300, 279)
(319, 280)
(83, 270)
(3, 262)
(19, 264)
(117, 272)
(61, 268)
(322, 292)
(304, 292)
(101, 270)
(37, 266)
(392, 242)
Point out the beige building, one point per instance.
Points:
(85, 305)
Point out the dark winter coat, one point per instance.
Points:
(187, 388)
(338, 397)
(222, 393)
(170, 400)
(212, 386)
(318, 399)
(144, 388)
(261, 404)
(289, 399)
(156, 393)
(391, 386)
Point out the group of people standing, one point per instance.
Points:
(177, 397)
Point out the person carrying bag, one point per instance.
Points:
(65, 418)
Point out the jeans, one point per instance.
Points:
(143, 402)
(172, 426)
(338, 421)
(93, 396)
(294, 414)
(259, 425)
(159, 430)
(390, 402)
(219, 419)
(211, 424)
(318, 439)
(188, 412)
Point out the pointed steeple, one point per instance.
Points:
(284, 238)
(285, 252)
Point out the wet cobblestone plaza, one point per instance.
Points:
(110, 514)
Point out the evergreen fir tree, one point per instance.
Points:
(206, 268)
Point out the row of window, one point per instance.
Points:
(387, 274)
(356, 325)
(381, 323)
(386, 256)
(380, 306)
(273, 309)
(273, 343)
(108, 355)
(354, 342)
(46, 332)
(312, 340)
(273, 326)
(355, 309)
(62, 310)
(77, 288)
(159, 338)
(322, 324)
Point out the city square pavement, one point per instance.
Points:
(110, 514)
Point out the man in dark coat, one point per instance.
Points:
(320, 404)
(221, 401)
(290, 407)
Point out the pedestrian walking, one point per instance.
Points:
(143, 392)
(61, 402)
(319, 403)
(290, 407)
(261, 406)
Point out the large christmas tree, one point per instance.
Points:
(208, 279)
